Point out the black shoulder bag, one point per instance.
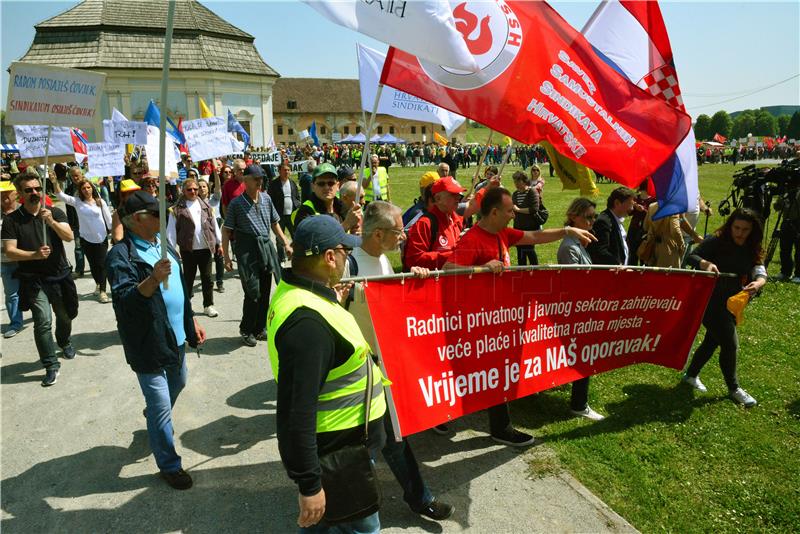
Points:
(348, 476)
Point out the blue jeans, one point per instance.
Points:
(401, 461)
(369, 525)
(11, 291)
(160, 391)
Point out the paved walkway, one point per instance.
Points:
(75, 456)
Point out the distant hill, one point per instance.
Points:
(774, 110)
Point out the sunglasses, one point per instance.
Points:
(592, 217)
(347, 250)
(326, 184)
(146, 212)
(30, 190)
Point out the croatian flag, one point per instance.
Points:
(631, 37)
(79, 142)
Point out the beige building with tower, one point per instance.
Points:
(335, 105)
(210, 59)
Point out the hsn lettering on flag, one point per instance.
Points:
(540, 79)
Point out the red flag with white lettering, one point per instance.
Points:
(541, 79)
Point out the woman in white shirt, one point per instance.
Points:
(213, 200)
(94, 219)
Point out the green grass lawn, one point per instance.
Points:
(665, 458)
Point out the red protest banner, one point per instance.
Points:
(464, 343)
(539, 78)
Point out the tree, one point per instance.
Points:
(743, 124)
(783, 124)
(793, 129)
(702, 127)
(765, 123)
(720, 124)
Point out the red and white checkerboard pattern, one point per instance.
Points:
(663, 82)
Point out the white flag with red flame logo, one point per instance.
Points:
(540, 79)
(425, 28)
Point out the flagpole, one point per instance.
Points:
(480, 161)
(44, 182)
(365, 155)
(162, 141)
(505, 160)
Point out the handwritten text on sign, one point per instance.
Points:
(462, 344)
(41, 94)
(207, 138)
(105, 159)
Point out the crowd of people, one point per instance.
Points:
(318, 330)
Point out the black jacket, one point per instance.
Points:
(609, 248)
(144, 329)
(275, 192)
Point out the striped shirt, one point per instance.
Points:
(244, 215)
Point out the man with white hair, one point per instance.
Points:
(376, 184)
(383, 232)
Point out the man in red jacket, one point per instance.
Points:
(431, 240)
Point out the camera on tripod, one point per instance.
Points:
(756, 188)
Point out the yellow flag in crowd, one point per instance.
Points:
(204, 111)
(439, 139)
(509, 141)
(573, 175)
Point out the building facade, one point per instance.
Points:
(335, 106)
(210, 59)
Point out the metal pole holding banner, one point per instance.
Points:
(44, 180)
(365, 154)
(162, 141)
(515, 268)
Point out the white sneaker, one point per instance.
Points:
(210, 311)
(694, 381)
(103, 298)
(796, 280)
(588, 413)
(740, 396)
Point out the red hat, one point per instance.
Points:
(449, 184)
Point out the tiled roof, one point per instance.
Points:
(316, 95)
(130, 35)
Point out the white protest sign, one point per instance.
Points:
(41, 94)
(171, 156)
(299, 166)
(207, 138)
(268, 158)
(31, 140)
(105, 159)
(125, 132)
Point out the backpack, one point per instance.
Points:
(434, 231)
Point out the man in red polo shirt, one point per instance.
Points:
(486, 244)
(432, 238)
(235, 186)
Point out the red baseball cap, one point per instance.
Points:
(449, 184)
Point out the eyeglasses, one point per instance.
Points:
(347, 250)
(393, 230)
(326, 184)
(30, 190)
(226, 172)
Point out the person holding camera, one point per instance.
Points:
(790, 236)
(734, 248)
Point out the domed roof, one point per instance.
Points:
(122, 34)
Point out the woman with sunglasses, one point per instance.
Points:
(581, 213)
(94, 221)
(193, 229)
(214, 199)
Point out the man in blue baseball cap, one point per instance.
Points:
(320, 360)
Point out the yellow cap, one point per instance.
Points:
(6, 185)
(128, 185)
(428, 178)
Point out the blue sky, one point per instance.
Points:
(722, 50)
